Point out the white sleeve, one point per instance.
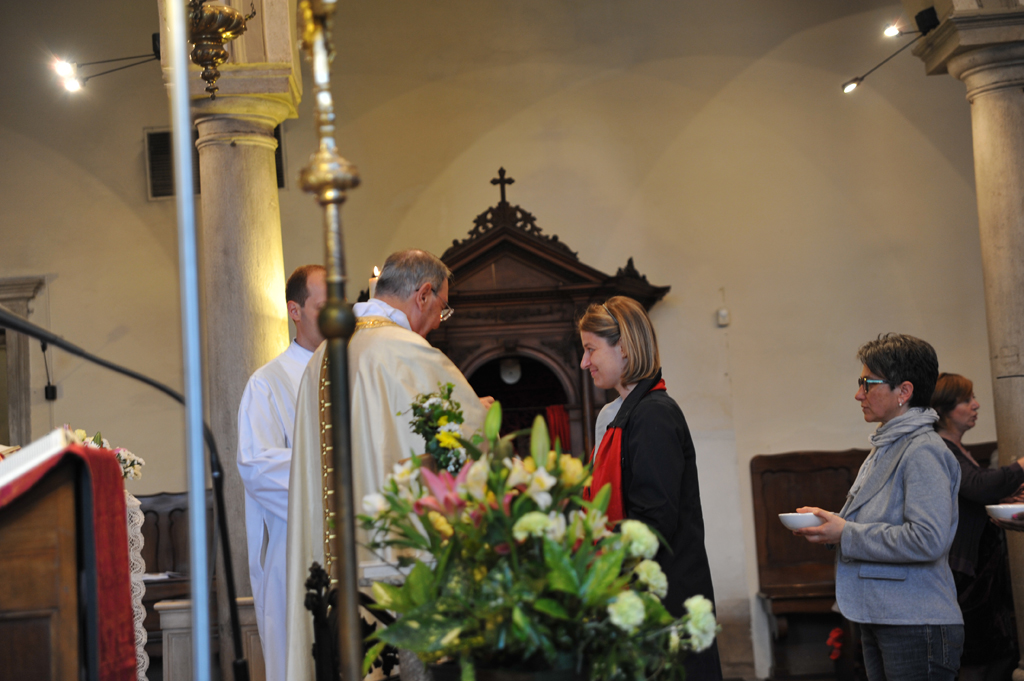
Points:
(264, 457)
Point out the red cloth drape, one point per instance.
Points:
(116, 634)
(558, 426)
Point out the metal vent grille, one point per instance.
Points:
(160, 163)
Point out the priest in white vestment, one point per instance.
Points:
(266, 417)
(390, 363)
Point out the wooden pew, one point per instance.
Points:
(165, 550)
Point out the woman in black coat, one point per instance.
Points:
(978, 555)
(647, 455)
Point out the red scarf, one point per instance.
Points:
(607, 463)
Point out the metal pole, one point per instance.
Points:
(181, 121)
(328, 176)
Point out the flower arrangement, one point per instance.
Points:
(518, 571)
(438, 419)
(131, 465)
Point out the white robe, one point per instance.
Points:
(388, 366)
(266, 418)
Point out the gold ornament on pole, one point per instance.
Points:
(328, 177)
(210, 27)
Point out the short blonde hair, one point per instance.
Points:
(624, 319)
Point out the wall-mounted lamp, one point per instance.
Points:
(926, 20)
(73, 81)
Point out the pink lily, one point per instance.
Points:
(445, 495)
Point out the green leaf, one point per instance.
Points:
(418, 585)
(371, 655)
(421, 632)
(654, 611)
(492, 424)
(471, 449)
(551, 608)
(602, 497)
(540, 443)
(521, 625)
(561, 574)
(468, 670)
(390, 597)
(603, 573)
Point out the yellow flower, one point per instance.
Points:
(552, 458)
(479, 572)
(447, 440)
(572, 470)
(529, 464)
(519, 475)
(440, 524)
(443, 420)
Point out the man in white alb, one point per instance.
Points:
(266, 418)
(390, 363)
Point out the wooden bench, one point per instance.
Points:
(797, 577)
(166, 550)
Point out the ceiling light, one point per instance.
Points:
(927, 20)
(65, 69)
(73, 82)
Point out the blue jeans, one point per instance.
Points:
(924, 652)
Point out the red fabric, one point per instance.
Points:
(116, 634)
(608, 468)
(558, 426)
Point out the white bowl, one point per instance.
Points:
(798, 521)
(1004, 511)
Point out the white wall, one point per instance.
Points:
(710, 141)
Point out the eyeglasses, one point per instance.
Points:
(447, 311)
(866, 383)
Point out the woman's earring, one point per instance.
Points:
(900, 402)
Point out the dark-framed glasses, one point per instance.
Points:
(866, 383)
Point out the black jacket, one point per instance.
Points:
(978, 487)
(660, 488)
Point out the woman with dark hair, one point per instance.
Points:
(892, 536)
(647, 455)
(978, 556)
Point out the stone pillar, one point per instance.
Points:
(242, 267)
(245, 320)
(994, 77)
(984, 48)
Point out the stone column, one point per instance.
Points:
(984, 48)
(994, 77)
(245, 321)
(242, 267)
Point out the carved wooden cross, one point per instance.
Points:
(500, 180)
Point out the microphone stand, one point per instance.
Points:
(11, 321)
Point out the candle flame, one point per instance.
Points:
(376, 271)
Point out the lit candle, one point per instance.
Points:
(373, 281)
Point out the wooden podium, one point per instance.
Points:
(65, 600)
